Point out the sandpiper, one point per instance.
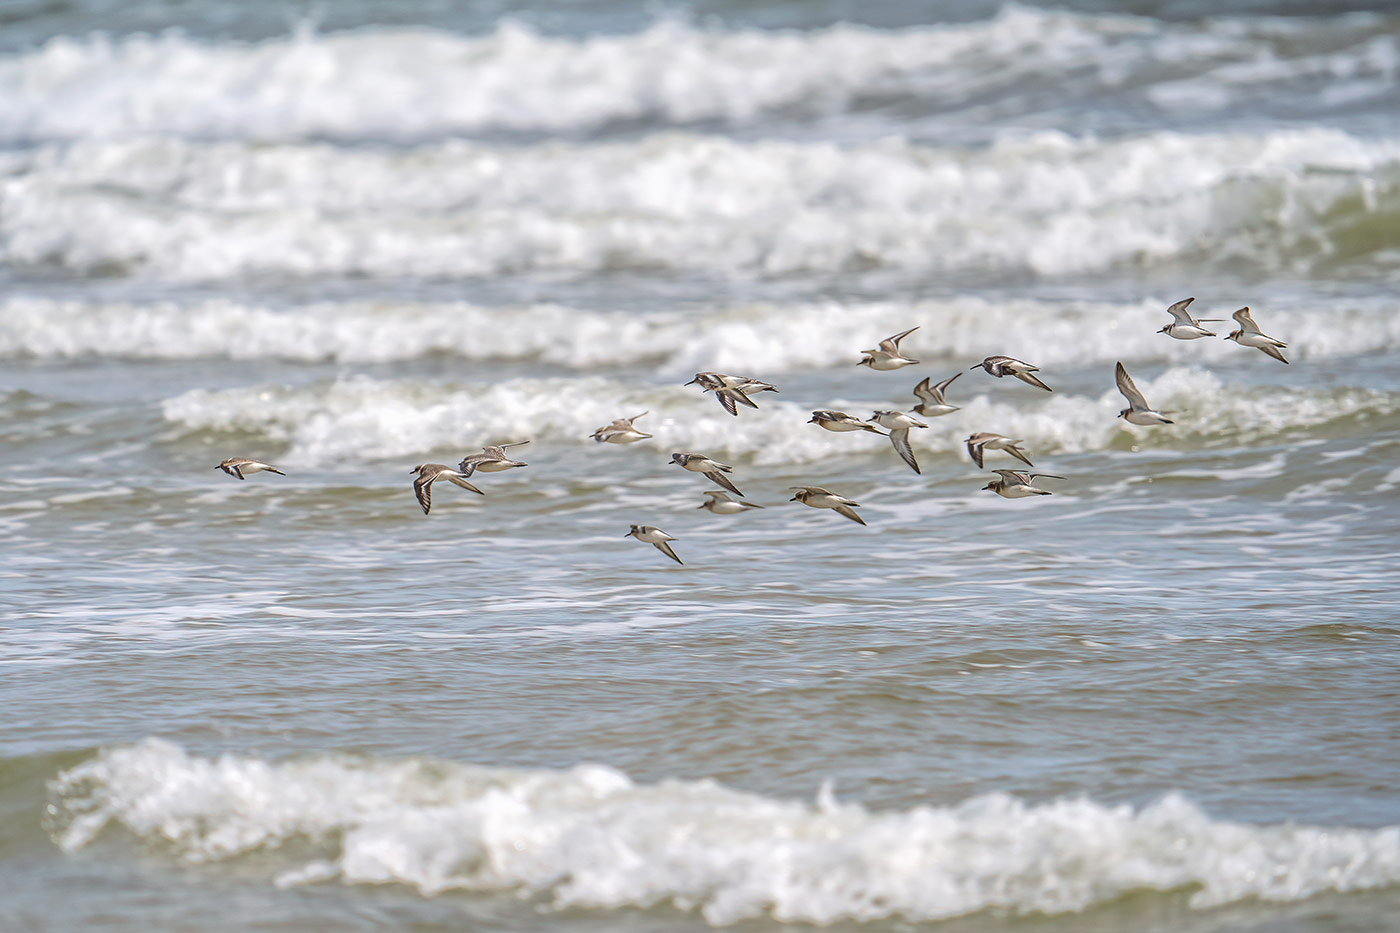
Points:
(899, 424)
(886, 356)
(699, 463)
(931, 403)
(1009, 366)
(491, 460)
(1138, 411)
(1015, 484)
(237, 466)
(819, 498)
(983, 441)
(1186, 327)
(731, 391)
(1249, 335)
(427, 473)
(721, 504)
(656, 538)
(620, 431)
(839, 421)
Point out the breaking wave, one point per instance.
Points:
(590, 837)
(761, 338)
(418, 83)
(361, 417)
(1046, 204)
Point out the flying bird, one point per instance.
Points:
(839, 421)
(237, 466)
(720, 503)
(819, 498)
(983, 441)
(1186, 327)
(430, 472)
(656, 538)
(1015, 484)
(886, 357)
(899, 424)
(931, 403)
(491, 460)
(1249, 335)
(620, 431)
(1009, 366)
(1138, 411)
(713, 469)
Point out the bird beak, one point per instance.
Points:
(692, 382)
(793, 499)
(628, 535)
(701, 506)
(974, 367)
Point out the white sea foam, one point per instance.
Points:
(590, 837)
(761, 337)
(415, 83)
(361, 417)
(1047, 204)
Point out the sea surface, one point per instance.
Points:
(353, 237)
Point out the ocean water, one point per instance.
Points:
(353, 239)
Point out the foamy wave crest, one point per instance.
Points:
(590, 837)
(414, 83)
(361, 417)
(760, 337)
(1046, 204)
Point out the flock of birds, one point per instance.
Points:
(732, 392)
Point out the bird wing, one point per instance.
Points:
(1179, 312)
(1018, 453)
(942, 386)
(628, 421)
(1036, 476)
(458, 481)
(1027, 377)
(423, 489)
(1273, 351)
(1245, 321)
(719, 479)
(891, 344)
(925, 394)
(850, 513)
(974, 449)
(900, 438)
(1014, 477)
(665, 548)
(1129, 388)
(727, 400)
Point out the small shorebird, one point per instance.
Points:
(699, 463)
(1009, 366)
(1186, 327)
(983, 441)
(1015, 484)
(656, 538)
(1138, 411)
(491, 460)
(620, 431)
(721, 504)
(1249, 335)
(931, 403)
(427, 473)
(731, 391)
(899, 424)
(840, 421)
(886, 356)
(819, 498)
(237, 466)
